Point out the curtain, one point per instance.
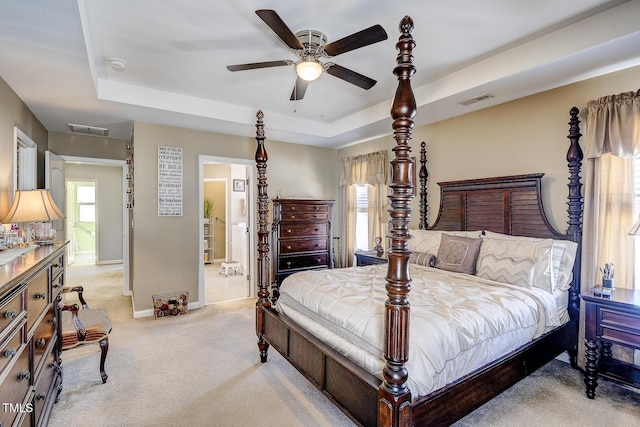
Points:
(612, 139)
(371, 169)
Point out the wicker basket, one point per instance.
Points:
(170, 304)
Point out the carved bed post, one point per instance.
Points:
(424, 175)
(394, 397)
(575, 209)
(263, 238)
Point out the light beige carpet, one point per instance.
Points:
(203, 369)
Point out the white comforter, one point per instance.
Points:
(458, 322)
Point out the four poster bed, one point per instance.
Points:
(358, 349)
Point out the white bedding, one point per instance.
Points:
(458, 322)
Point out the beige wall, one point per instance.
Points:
(96, 147)
(14, 112)
(528, 135)
(166, 256)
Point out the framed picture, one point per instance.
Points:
(238, 185)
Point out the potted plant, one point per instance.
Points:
(208, 208)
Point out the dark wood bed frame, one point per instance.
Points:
(510, 205)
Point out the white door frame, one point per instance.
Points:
(125, 213)
(251, 220)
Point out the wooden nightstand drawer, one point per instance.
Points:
(288, 208)
(620, 327)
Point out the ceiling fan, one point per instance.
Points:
(310, 46)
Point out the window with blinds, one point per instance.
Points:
(362, 217)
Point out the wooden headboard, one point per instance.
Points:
(508, 204)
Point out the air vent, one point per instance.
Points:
(88, 130)
(476, 99)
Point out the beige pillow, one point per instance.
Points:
(563, 256)
(516, 271)
(429, 240)
(458, 254)
(422, 258)
(538, 249)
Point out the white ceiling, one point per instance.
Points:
(53, 55)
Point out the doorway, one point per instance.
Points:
(226, 267)
(81, 221)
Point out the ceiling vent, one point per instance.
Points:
(88, 130)
(476, 99)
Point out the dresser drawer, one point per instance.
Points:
(305, 216)
(288, 208)
(44, 387)
(12, 310)
(57, 266)
(290, 230)
(37, 297)
(15, 387)
(302, 261)
(43, 336)
(620, 327)
(302, 245)
(56, 286)
(10, 347)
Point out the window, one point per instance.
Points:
(636, 248)
(26, 151)
(362, 217)
(86, 203)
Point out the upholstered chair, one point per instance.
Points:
(83, 326)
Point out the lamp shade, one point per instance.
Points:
(32, 206)
(309, 70)
(635, 230)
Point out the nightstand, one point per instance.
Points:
(613, 319)
(369, 258)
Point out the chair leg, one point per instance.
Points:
(104, 347)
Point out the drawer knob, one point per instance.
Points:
(53, 320)
(293, 217)
(56, 285)
(288, 263)
(318, 260)
(289, 231)
(24, 376)
(56, 265)
(40, 295)
(288, 246)
(10, 314)
(41, 343)
(41, 396)
(10, 352)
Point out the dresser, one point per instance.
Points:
(30, 364)
(370, 257)
(301, 233)
(610, 319)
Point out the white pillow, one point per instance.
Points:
(563, 257)
(537, 249)
(428, 241)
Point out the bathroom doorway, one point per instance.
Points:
(225, 233)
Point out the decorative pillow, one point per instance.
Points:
(516, 271)
(538, 249)
(422, 258)
(458, 254)
(429, 240)
(563, 256)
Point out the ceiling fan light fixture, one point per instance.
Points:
(309, 70)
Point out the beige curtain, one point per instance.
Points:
(372, 169)
(612, 139)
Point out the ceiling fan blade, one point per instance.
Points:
(271, 18)
(371, 35)
(252, 66)
(299, 89)
(350, 76)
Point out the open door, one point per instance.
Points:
(54, 182)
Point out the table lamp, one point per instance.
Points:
(35, 206)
